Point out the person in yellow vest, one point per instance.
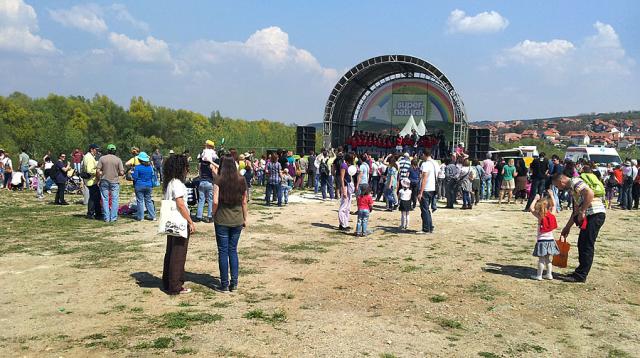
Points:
(88, 170)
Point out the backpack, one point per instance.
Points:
(594, 183)
(53, 172)
(324, 167)
(83, 171)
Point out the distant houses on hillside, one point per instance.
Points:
(568, 131)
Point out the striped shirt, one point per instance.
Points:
(404, 164)
(577, 186)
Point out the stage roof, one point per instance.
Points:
(362, 78)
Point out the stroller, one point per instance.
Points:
(192, 192)
(74, 184)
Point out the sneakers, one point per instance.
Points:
(423, 232)
(537, 278)
(184, 290)
(232, 288)
(573, 279)
(222, 289)
(548, 277)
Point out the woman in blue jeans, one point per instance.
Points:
(143, 178)
(229, 217)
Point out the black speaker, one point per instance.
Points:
(479, 140)
(305, 139)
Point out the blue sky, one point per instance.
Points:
(279, 59)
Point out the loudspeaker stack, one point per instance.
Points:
(478, 143)
(305, 139)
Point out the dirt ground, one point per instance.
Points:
(73, 287)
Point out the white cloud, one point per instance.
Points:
(599, 53)
(150, 50)
(603, 52)
(123, 14)
(539, 53)
(83, 17)
(18, 22)
(484, 22)
(270, 47)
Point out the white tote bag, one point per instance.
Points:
(171, 221)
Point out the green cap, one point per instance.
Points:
(111, 147)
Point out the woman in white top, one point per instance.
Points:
(375, 175)
(174, 172)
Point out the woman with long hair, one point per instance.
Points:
(230, 217)
(174, 172)
(346, 191)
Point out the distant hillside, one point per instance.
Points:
(633, 115)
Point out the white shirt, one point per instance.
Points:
(176, 189)
(374, 169)
(382, 168)
(405, 194)
(431, 168)
(7, 163)
(17, 178)
(441, 171)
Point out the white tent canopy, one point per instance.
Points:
(411, 124)
(421, 128)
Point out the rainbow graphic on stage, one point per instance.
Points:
(390, 106)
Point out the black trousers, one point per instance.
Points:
(537, 187)
(586, 244)
(311, 178)
(414, 193)
(94, 207)
(636, 194)
(451, 192)
(174, 259)
(60, 193)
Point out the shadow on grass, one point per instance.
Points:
(147, 280)
(519, 272)
(325, 226)
(393, 230)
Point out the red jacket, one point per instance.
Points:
(365, 202)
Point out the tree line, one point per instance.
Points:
(61, 124)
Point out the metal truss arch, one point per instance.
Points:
(346, 98)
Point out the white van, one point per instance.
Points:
(600, 155)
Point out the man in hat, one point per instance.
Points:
(89, 166)
(109, 170)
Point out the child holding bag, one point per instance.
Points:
(546, 247)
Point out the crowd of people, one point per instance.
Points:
(402, 180)
(384, 144)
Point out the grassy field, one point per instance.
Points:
(74, 287)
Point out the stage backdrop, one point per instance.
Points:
(390, 106)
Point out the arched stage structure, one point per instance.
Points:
(375, 88)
